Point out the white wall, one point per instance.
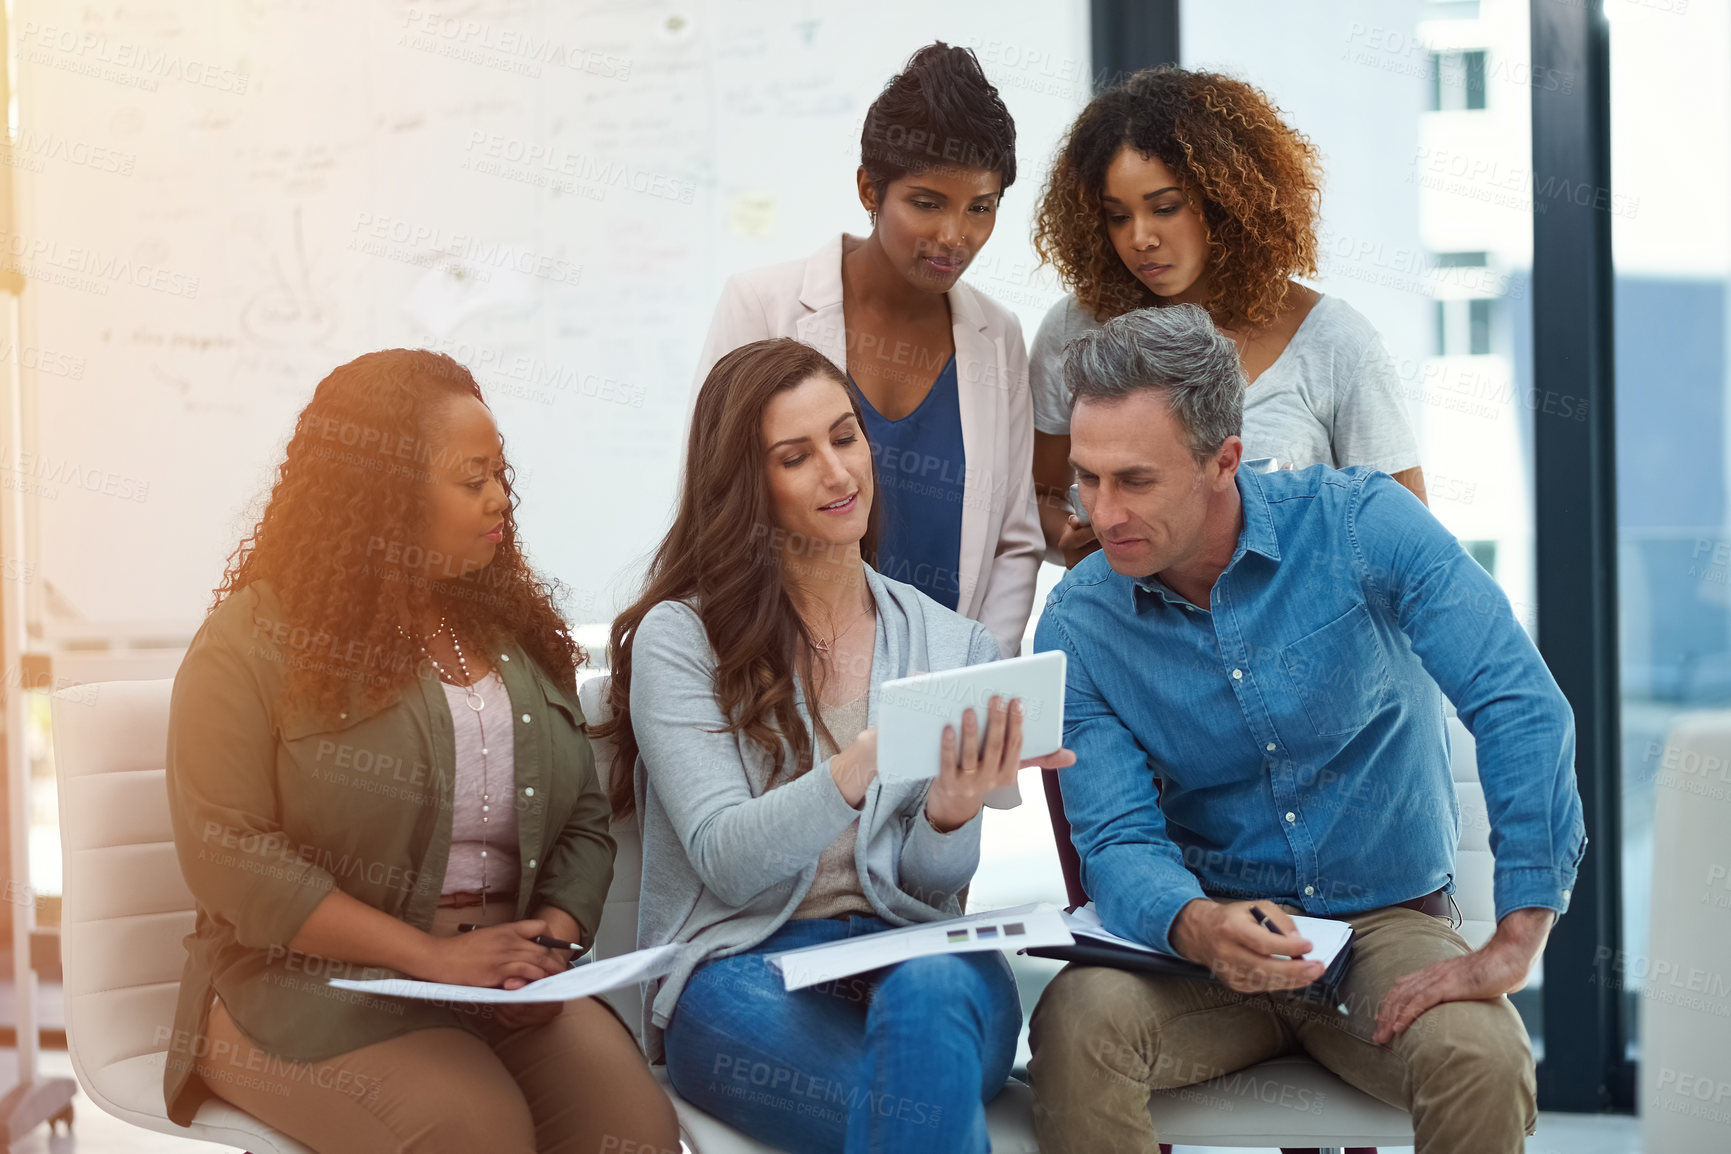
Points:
(220, 201)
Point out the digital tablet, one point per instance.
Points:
(912, 711)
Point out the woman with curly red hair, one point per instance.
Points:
(1179, 187)
(374, 738)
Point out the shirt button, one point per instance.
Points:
(525, 719)
(1566, 894)
(1270, 747)
(342, 717)
(528, 791)
(1238, 675)
(1290, 816)
(1309, 890)
(504, 657)
(531, 863)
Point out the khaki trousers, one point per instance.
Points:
(1103, 1039)
(575, 1085)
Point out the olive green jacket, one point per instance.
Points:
(272, 812)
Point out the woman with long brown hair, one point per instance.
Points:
(1181, 187)
(373, 739)
(744, 686)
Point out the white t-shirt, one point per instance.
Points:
(1332, 397)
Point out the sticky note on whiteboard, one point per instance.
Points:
(752, 214)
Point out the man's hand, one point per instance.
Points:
(1225, 937)
(1500, 966)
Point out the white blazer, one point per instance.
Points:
(1002, 545)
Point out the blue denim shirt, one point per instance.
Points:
(1288, 740)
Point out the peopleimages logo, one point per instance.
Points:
(31, 149)
(374, 234)
(137, 65)
(88, 269)
(493, 154)
(51, 473)
(512, 49)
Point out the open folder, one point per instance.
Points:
(580, 981)
(1095, 945)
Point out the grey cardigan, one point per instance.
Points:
(725, 863)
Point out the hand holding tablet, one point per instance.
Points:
(913, 713)
(983, 757)
(972, 729)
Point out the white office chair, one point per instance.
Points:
(125, 910)
(1008, 1118)
(1685, 1067)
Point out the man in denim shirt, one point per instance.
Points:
(1254, 665)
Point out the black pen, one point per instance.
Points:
(538, 939)
(1266, 923)
(1262, 920)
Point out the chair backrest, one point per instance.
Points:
(617, 933)
(125, 908)
(1474, 866)
(1685, 1066)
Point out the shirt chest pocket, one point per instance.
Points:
(570, 767)
(346, 767)
(1339, 673)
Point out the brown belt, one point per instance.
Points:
(463, 899)
(1437, 904)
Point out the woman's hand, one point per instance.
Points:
(491, 956)
(977, 764)
(1077, 541)
(855, 767)
(521, 1016)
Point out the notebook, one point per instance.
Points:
(1331, 943)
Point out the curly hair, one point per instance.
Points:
(940, 110)
(1256, 181)
(338, 542)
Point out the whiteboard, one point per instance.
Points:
(218, 201)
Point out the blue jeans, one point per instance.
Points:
(896, 1061)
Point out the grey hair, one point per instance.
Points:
(1173, 348)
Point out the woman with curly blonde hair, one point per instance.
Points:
(1179, 187)
(374, 739)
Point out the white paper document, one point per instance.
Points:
(578, 982)
(1327, 937)
(1009, 929)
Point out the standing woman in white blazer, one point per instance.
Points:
(940, 368)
